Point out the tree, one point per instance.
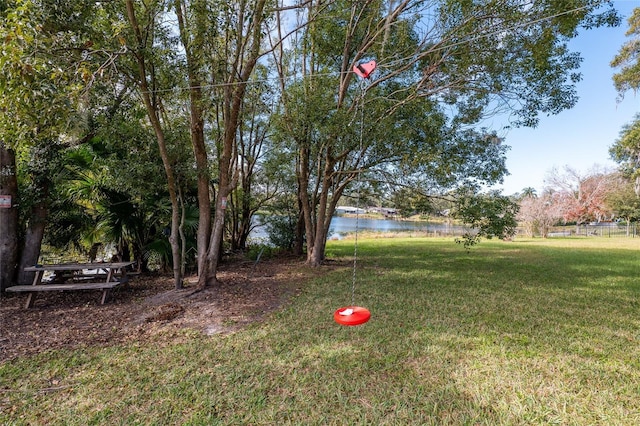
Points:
(254, 191)
(43, 70)
(8, 216)
(288, 230)
(410, 202)
(528, 192)
(239, 51)
(581, 196)
(438, 79)
(489, 215)
(539, 213)
(144, 38)
(222, 41)
(101, 202)
(623, 200)
(195, 30)
(626, 151)
(628, 58)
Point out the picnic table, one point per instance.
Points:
(75, 276)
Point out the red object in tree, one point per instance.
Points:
(351, 315)
(364, 70)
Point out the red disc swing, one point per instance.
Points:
(351, 315)
(356, 315)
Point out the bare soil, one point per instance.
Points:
(148, 307)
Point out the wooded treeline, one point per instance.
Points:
(164, 125)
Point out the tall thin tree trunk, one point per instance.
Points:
(153, 115)
(183, 237)
(246, 57)
(33, 238)
(226, 183)
(298, 245)
(203, 178)
(307, 209)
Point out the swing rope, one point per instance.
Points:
(356, 315)
(355, 245)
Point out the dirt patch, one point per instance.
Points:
(147, 307)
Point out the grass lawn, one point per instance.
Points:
(527, 332)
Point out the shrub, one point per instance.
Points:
(281, 231)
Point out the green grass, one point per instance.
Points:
(528, 332)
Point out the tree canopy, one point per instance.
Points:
(626, 151)
(628, 58)
(243, 99)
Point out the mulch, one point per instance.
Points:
(148, 307)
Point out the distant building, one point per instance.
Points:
(349, 210)
(386, 211)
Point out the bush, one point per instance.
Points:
(281, 231)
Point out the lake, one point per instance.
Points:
(341, 225)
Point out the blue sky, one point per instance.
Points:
(579, 137)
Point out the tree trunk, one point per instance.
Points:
(245, 212)
(226, 184)
(628, 226)
(183, 237)
(153, 115)
(242, 67)
(215, 242)
(316, 252)
(196, 112)
(307, 207)
(8, 217)
(33, 239)
(298, 245)
(202, 170)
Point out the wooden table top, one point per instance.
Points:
(78, 266)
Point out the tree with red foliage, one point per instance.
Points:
(581, 197)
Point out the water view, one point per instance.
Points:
(341, 225)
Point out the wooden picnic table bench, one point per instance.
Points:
(75, 276)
